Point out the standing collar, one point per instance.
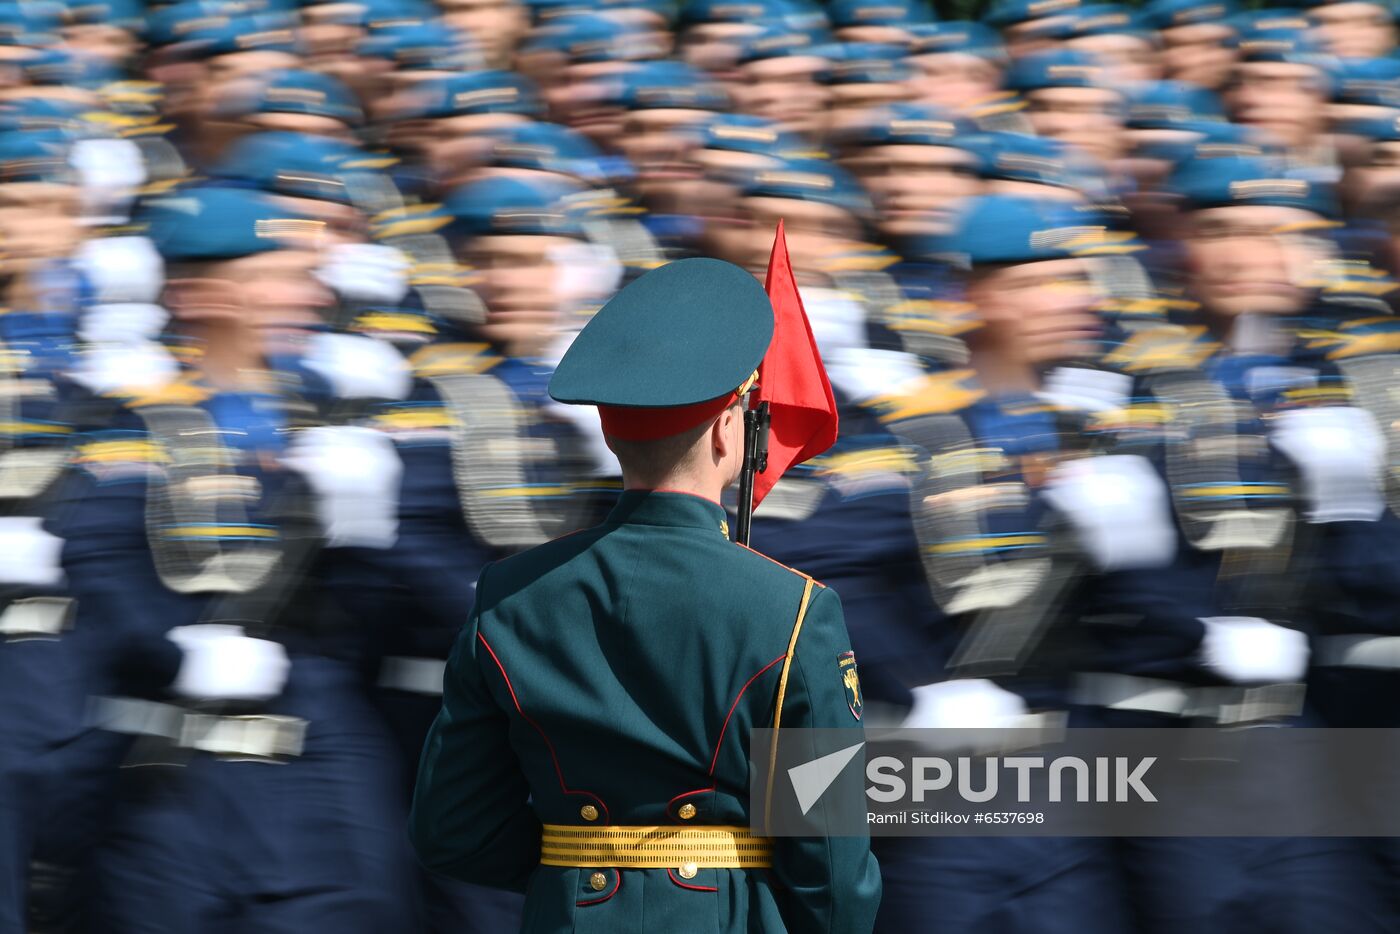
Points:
(666, 508)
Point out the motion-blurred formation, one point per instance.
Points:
(1106, 295)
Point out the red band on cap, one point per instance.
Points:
(630, 423)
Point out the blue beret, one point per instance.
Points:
(781, 38)
(509, 206)
(812, 180)
(848, 13)
(124, 14)
(1314, 4)
(478, 92)
(1370, 81)
(1019, 157)
(219, 223)
(254, 32)
(23, 24)
(35, 156)
(427, 46)
(545, 147)
(865, 63)
(1164, 105)
(1108, 19)
(177, 22)
(964, 36)
(666, 85)
(1011, 12)
(306, 92)
(912, 125)
(1246, 180)
(725, 11)
(1165, 14)
(1211, 139)
(294, 164)
(1060, 68)
(378, 14)
(1378, 129)
(744, 133)
(684, 333)
(1011, 229)
(588, 38)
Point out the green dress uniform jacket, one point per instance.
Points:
(611, 677)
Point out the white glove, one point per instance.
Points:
(359, 367)
(122, 269)
(1119, 507)
(28, 554)
(585, 271)
(1340, 453)
(964, 703)
(1247, 649)
(355, 473)
(366, 272)
(111, 170)
(222, 663)
(1077, 387)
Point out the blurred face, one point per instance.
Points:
(99, 40)
(38, 221)
(1038, 313)
(816, 234)
(224, 74)
(1355, 30)
(1127, 58)
(852, 104)
(311, 124)
(1089, 119)
(495, 25)
(714, 47)
(580, 100)
(785, 91)
(954, 80)
(326, 37)
(518, 280)
(716, 198)
(276, 294)
(917, 189)
(452, 147)
(1252, 259)
(1282, 99)
(1198, 53)
(1027, 38)
(659, 144)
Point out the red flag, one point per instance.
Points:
(791, 379)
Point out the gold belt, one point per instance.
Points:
(654, 847)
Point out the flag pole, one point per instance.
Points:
(755, 462)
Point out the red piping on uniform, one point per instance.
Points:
(617, 884)
(693, 888)
(781, 565)
(548, 745)
(715, 758)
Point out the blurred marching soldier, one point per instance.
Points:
(582, 661)
(196, 558)
(491, 464)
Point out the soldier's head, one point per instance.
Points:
(959, 63)
(240, 268)
(1028, 280)
(916, 169)
(295, 100)
(1070, 98)
(1281, 85)
(515, 235)
(1252, 235)
(781, 70)
(39, 201)
(668, 362)
(825, 211)
(1195, 36)
(1354, 28)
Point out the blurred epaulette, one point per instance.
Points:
(1163, 348)
(396, 325)
(866, 257)
(408, 221)
(129, 126)
(602, 203)
(453, 360)
(864, 456)
(181, 391)
(1353, 287)
(1361, 337)
(1147, 310)
(935, 394)
(995, 105)
(931, 316)
(446, 273)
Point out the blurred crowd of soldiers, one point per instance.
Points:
(1105, 295)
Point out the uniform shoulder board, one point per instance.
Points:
(453, 360)
(176, 392)
(864, 258)
(1362, 337)
(1162, 348)
(805, 577)
(935, 394)
(931, 316)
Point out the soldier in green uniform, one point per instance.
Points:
(592, 748)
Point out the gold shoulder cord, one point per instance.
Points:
(782, 693)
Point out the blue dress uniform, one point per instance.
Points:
(590, 750)
(261, 814)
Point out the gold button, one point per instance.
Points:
(686, 811)
(588, 812)
(597, 882)
(688, 871)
